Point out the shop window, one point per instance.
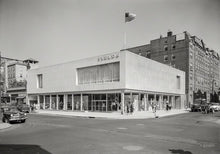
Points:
(40, 81)
(99, 74)
(191, 67)
(165, 58)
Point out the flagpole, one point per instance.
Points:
(125, 36)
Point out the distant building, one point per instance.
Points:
(106, 83)
(191, 55)
(15, 77)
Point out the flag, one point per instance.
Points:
(129, 16)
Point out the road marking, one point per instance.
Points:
(140, 124)
(122, 128)
(132, 148)
(181, 140)
(48, 124)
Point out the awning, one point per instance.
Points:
(20, 97)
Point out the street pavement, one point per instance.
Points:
(115, 115)
(189, 133)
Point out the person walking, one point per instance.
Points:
(167, 105)
(154, 106)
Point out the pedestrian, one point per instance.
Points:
(167, 105)
(131, 108)
(128, 107)
(154, 106)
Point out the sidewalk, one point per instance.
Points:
(4, 125)
(113, 115)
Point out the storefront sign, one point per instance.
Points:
(108, 57)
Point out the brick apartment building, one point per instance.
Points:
(189, 54)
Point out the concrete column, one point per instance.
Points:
(168, 98)
(122, 102)
(72, 102)
(173, 102)
(106, 103)
(27, 100)
(38, 102)
(65, 102)
(145, 102)
(159, 102)
(139, 102)
(44, 102)
(155, 98)
(81, 102)
(57, 102)
(50, 103)
(131, 97)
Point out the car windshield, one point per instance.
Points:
(13, 110)
(214, 103)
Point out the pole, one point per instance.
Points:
(125, 34)
(0, 79)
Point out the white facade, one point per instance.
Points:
(138, 77)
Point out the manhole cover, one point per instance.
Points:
(122, 128)
(132, 148)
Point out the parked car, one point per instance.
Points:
(215, 106)
(196, 107)
(205, 108)
(24, 108)
(12, 114)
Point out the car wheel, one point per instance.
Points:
(22, 121)
(6, 120)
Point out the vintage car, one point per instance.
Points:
(24, 108)
(196, 107)
(215, 106)
(12, 114)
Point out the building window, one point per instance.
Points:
(40, 81)
(99, 74)
(178, 82)
(173, 57)
(165, 48)
(191, 67)
(173, 46)
(165, 58)
(191, 55)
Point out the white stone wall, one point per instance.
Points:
(146, 74)
(136, 73)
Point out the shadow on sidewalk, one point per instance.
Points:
(22, 149)
(179, 151)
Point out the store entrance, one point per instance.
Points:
(105, 102)
(99, 102)
(99, 106)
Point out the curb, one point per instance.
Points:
(4, 126)
(113, 118)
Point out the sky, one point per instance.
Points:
(57, 31)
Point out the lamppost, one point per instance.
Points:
(213, 81)
(0, 79)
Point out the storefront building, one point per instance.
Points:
(106, 83)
